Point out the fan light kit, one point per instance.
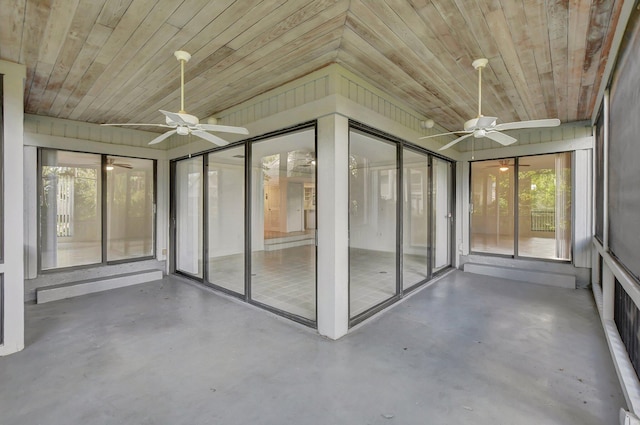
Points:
(482, 126)
(183, 123)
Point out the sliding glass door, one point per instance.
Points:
(189, 216)
(283, 227)
(225, 219)
(373, 197)
(442, 214)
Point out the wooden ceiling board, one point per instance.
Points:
(112, 60)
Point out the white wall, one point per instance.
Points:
(12, 267)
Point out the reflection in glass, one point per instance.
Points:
(442, 214)
(70, 216)
(415, 197)
(283, 260)
(129, 208)
(544, 206)
(492, 206)
(188, 180)
(225, 197)
(372, 221)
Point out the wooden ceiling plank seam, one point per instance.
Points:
(245, 66)
(132, 48)
(186, 12)
(355, 47)
(452, 15)
(537, 20)
(521, 35)
(606, 52)
(313, 40)
(471, 12)
(121, 89)
(40, 78)
(112, 12)
(97, 37)
(58, 24)
(507, 85)
(511, 59)
(35, 17)
(421, 30)
(382, 37)
(278, 16)
(558, 38)
(463, 72)
(84, 92)
(81, 24)
(295, 35)
(202, 25)
(289, 31)
(295, 65)
(578, 13)
(12, 30)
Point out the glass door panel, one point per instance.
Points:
(492, 206)
(70, 211)
(283, 251)
(544, 206)
(189, 216)
(442, 214)
(415, 197)
(372, 221)
(225, 221)
(130, 217)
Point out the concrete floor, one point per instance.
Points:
(469, 349)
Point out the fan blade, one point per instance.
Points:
(501, 138)
(551, 122)
(223, 128)
(448, 145)
(443, 134)
(141, 125)
(209, 137)
(122, 165)
(175, 117)
(163, 136)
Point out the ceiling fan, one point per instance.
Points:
(486, 126)
(504, 164)
(183, 123)
(111, 163)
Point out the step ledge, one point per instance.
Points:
(90, 286)
(531, 276)
(285, 245)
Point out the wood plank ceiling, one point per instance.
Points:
(112, 60)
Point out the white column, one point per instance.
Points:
(333, 226)
(12, 266)
(582, 211)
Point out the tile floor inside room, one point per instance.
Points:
(467, 349)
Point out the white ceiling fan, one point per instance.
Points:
(183, 123)
(486, 126)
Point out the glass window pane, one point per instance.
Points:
(70, 212)
(492, 206)
(544, 206)
(283, 258)
(372, 221)
(225, 200)
(129, 208)
(189, 216)
(415, 197)
(442, 214)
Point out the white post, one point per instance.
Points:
(333, 226)
(608, 292)
(12, 266)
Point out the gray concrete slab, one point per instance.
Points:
(468, 349)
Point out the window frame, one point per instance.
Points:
(516, 194)
(103, 213)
